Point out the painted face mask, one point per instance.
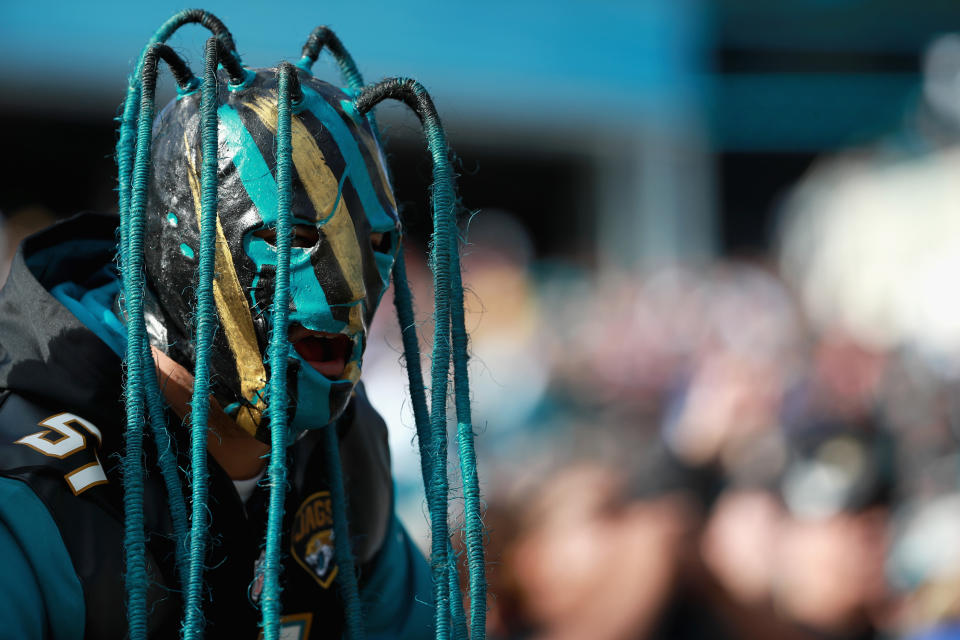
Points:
(346, 239)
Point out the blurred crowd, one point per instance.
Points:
(733, 449)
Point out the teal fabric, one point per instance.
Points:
(94, 308)
(398, 595)
(40, 594)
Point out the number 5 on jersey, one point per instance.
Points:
(61, 440)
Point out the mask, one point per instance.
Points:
(347, 237)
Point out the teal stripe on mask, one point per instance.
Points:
(355, 164)
(251, 167)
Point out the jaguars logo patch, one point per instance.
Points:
(311, 541)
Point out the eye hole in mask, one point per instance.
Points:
(304, 236)
(382, 242)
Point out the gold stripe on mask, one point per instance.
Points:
(355, 321)
(322, 187)
(235, 317)
(351, 372)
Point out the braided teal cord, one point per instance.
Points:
(473, 518)
(445, 232)
(473, 526)
(167, 460)
(347, 573)
(134, 536)
(403, 302)
(448, 291)
(443, 203)
(137, 341)
(279, 348)
(444, 212)
(206, 321)
(457, 617)
(126, 150)
(347, 577)
(324, 37)
(126, 142)
(349, 70)
(435, 447)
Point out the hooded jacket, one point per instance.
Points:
(61, 493)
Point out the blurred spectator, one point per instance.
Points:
(590, 564)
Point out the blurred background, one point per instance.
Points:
(711, 261)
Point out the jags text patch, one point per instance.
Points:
(311, 541)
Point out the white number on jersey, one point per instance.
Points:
(68, 440)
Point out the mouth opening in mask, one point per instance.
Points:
(328, 353)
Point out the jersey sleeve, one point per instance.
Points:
(40, 593)
(398, 595)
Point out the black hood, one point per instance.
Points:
(46, 353)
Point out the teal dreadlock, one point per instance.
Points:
(279, 402)
(449, 316)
